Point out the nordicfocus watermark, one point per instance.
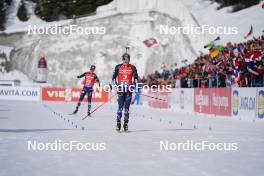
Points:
(198, 30)
(66, 30)
(123, 87)
(59, 145)
(191, 145)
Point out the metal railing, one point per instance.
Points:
(217, 82)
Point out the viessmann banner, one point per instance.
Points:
(71, 95)
(20, 93)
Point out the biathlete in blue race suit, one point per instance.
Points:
(125, 75)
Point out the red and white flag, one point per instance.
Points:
(150, 42)
(249, 33)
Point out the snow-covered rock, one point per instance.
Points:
(5, 54)
(13, 24)
(126, 23)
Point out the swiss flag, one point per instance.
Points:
(150, 42)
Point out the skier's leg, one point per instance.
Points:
(128, 97)
(121, 101)
(90, 95)
(80, 100)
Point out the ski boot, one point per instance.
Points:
(88, 113)
(75, 111)
(118, 126)
(89, 109)
(125, 126)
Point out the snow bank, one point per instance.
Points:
(15, 75)
(206, 13)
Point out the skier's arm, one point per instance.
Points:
(82, 75)
(115, 75)
(97, 80)
(135, 74)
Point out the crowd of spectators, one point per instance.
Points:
(235, 65)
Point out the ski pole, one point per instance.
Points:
(153, 97)
(99, 106)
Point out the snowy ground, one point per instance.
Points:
(135, 153)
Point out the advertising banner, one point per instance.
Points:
(244, 103)
(71, 95)
(187, 100)
(221, 101)
(202, 100)
(182, 100)
(20, 93)
(260, 103)
(175, 99)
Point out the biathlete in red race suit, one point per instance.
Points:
(125, 75)
(90, 78)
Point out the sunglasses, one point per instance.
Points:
(125, 59)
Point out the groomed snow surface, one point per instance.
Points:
(127, 154)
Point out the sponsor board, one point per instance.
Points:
(244, 103)
(215, 101)
(260, 105)
(20, 93)
(221, 101)
(71, 94)
(202, 100)
(187, 100)
(175, 99)
(182, 100)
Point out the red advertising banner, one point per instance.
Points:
(155, 103)
(202, 100)
(72, 95)
(221, 101)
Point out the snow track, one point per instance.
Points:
(135, 153)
